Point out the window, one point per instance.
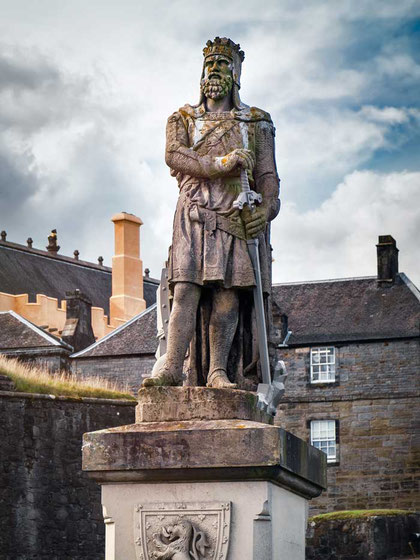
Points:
(323, 437)
(323, 365)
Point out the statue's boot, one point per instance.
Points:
(219, 380)
(161, 375)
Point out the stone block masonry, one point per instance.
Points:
(376, 537)
(378, 458)
(375, 402)
(50, 509)
(128, 371)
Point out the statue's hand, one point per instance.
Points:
(255, 221)
(237, 158)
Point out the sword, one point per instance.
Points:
(269, 394)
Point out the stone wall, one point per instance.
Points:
(54, 360)
(377, 457)
(128, 371)
(50, 509)
(362, 369)
(374, 538)
(375, 401)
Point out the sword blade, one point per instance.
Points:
(253, 251)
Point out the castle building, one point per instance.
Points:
(354, 382)
(75, 300)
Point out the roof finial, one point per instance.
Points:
(52, 242)
(3, 235)
(29, 242)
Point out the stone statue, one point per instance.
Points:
(209, 271)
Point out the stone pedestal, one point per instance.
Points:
(203, 475)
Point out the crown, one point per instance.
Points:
(223, 46)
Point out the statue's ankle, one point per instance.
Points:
(218, 379)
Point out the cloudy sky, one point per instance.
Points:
(86, 88)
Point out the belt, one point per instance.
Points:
(212, 220)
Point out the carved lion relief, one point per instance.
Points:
(182, 531)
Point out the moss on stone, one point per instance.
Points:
(356, 514)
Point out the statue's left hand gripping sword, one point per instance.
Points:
(269, 391)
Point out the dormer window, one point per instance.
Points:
(323, 364)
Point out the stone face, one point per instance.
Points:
(157, 404)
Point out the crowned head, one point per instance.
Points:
(222, 69)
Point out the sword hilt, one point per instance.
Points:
(247, 197)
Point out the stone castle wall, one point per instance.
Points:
(375, 403)
(127, 371)
(376, 537)
(50, 509)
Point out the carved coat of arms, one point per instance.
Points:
(182, 531)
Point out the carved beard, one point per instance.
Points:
(217, 88)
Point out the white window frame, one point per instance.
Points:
(323, 364)
(324, 437)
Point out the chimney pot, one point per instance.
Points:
(29, 242)
(3, 235)
(387, 256)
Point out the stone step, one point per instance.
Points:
(6, 384)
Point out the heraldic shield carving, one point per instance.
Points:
(182, 531)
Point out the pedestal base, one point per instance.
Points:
(177, 486)
(266, 522)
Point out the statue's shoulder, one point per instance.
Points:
(185, 112)
(253, 114)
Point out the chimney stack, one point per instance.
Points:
(127, 270)
(387, 259)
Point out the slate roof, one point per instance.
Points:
(136, 336)
(32, 271)
(330, 311)
(17, 333)
(353, 309)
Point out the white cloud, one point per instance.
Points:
(87, 88)
(338, 238)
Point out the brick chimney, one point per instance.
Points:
(127, 270)
(387, 259)
(77, 330)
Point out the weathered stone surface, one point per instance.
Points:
(49, 508)
(128, 371)
(222, 449)
(160, 404)
(6, 384)
(374, 538)
(375, 402)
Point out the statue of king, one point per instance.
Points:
(211, 332)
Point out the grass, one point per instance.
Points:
(34, 379)
(356, 514)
